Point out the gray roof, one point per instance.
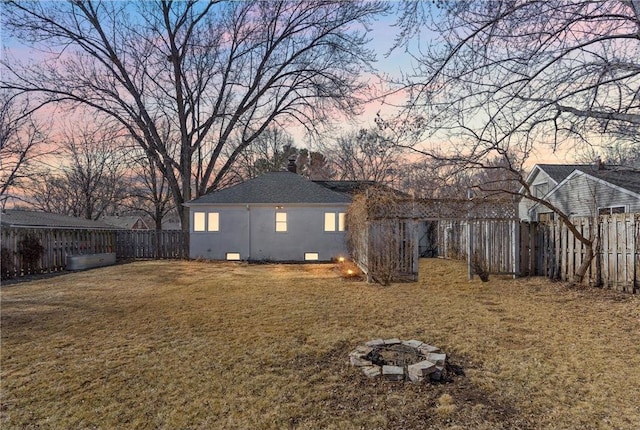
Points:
(558, 172)
(274, 187)
(23, 218)
(125, 222)
(349, 187)
(622, 177)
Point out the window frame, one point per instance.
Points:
(281, 225)
(329, 222)
(609, 210)
(215, 221)
(550, 215)
(311, 256)
(540, 186)
(205, 221)
(342, 221)
(336, 221)
(199, 221)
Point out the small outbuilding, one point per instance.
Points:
(279, 216)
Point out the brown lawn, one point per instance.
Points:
(208, 345)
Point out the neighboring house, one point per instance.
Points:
(171, 224)
(127, 222)
(279, 216)
(32, 219)
(581, 190)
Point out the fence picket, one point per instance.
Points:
(59, 243)
(616, 259)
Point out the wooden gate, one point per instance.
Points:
(384, 235)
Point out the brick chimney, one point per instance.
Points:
(292, 165)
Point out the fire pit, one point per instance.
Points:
(400, 360)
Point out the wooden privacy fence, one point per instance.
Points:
(386, 245)
(151, 244)
(57, 244)
(493, 240)
(387, 233)
(616, 265)
(619, 255)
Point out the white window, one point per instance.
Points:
(334, 221)
(233, 256)
(213, 222)
(540, 190)
(198, 221)
(329, 221)
(281, 221)
(311, 256)
(203, 221)
(341, 221)
(611, 210)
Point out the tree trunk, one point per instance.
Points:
(584, 267)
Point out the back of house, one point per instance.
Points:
(279, 216)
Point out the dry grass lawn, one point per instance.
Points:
(192, 345)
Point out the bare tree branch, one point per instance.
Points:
(215, 74)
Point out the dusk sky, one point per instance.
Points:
(382, 35)
(390, 63)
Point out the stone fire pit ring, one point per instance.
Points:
(399, 360)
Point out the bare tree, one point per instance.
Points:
(22, 141)
(51, 193)
(272, 151)
(314, 165)
(366, 154)
(621, 153)
(215, 74)
(431, 179)
(91, 180)
(515, 79)
(269, 152)
(149, 191)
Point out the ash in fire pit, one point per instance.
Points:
(399, 360)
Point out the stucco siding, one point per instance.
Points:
(250, 230)
(232, 235)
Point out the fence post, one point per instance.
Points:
(469, 249)
(515, 228)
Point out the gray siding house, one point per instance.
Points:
(279, 216)
(581, 190)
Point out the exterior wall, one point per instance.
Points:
(232, 235)
(250, 230)
(581, 195)
(537, 183)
